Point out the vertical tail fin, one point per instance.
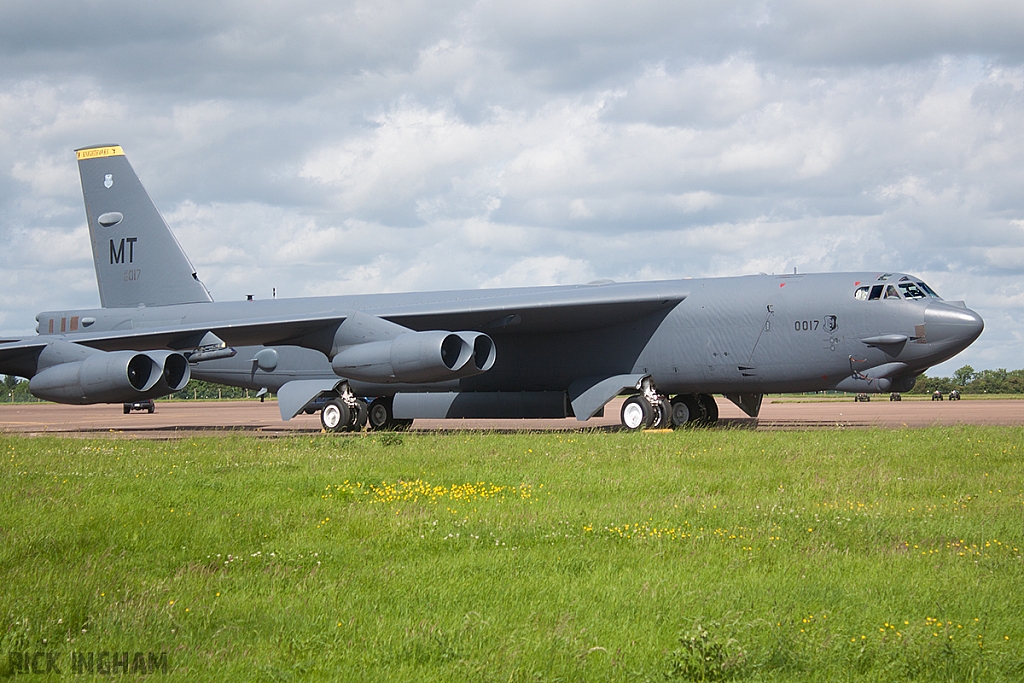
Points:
(137, 258)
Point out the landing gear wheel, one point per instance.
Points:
(680, 412)
(710, 409)
(335, 415)
(695, 407)
(359, 416)
(380, 414)
(663, 414)
(637, 413)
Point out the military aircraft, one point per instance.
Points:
(524, 352)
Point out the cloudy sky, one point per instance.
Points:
(387, 145)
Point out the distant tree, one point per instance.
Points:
(928, 385)
(197, 389)
(967, 380)
(990, 382)
(16, 390)
(964, 376)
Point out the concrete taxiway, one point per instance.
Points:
(178, 419)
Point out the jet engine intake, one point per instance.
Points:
(112, 377)
(417, 357)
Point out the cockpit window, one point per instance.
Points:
(869, 293)
(905, 288)
(912, 291)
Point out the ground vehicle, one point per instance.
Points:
(861, 397)
(954, 395)
(895, 396)
(937, 395)
(145, 404)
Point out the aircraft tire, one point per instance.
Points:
(637, 413)
(680, 412)
(359, 416)
(710, 409)
(380, 414)
(663, 414)
(335, 416)
(696, 409)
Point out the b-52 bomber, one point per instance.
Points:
(532, 352)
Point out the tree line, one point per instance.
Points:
(967, 381)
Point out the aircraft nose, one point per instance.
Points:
(945, 322)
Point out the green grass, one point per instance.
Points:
(695, 555)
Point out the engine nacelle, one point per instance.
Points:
(416, 357)
(111, 377)
(175, 372)
(903, 384)
(484, 353)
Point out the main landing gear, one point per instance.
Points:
(651, 410)
(382, 416)
(345, 413)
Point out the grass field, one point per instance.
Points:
(694, 555)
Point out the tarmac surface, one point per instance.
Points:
(180, 419)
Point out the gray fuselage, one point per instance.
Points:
(752, 334)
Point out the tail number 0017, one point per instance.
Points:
(132, 274)
(806, 325)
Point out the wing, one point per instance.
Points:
(541, 309)
(511, 311)
(18, 356)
